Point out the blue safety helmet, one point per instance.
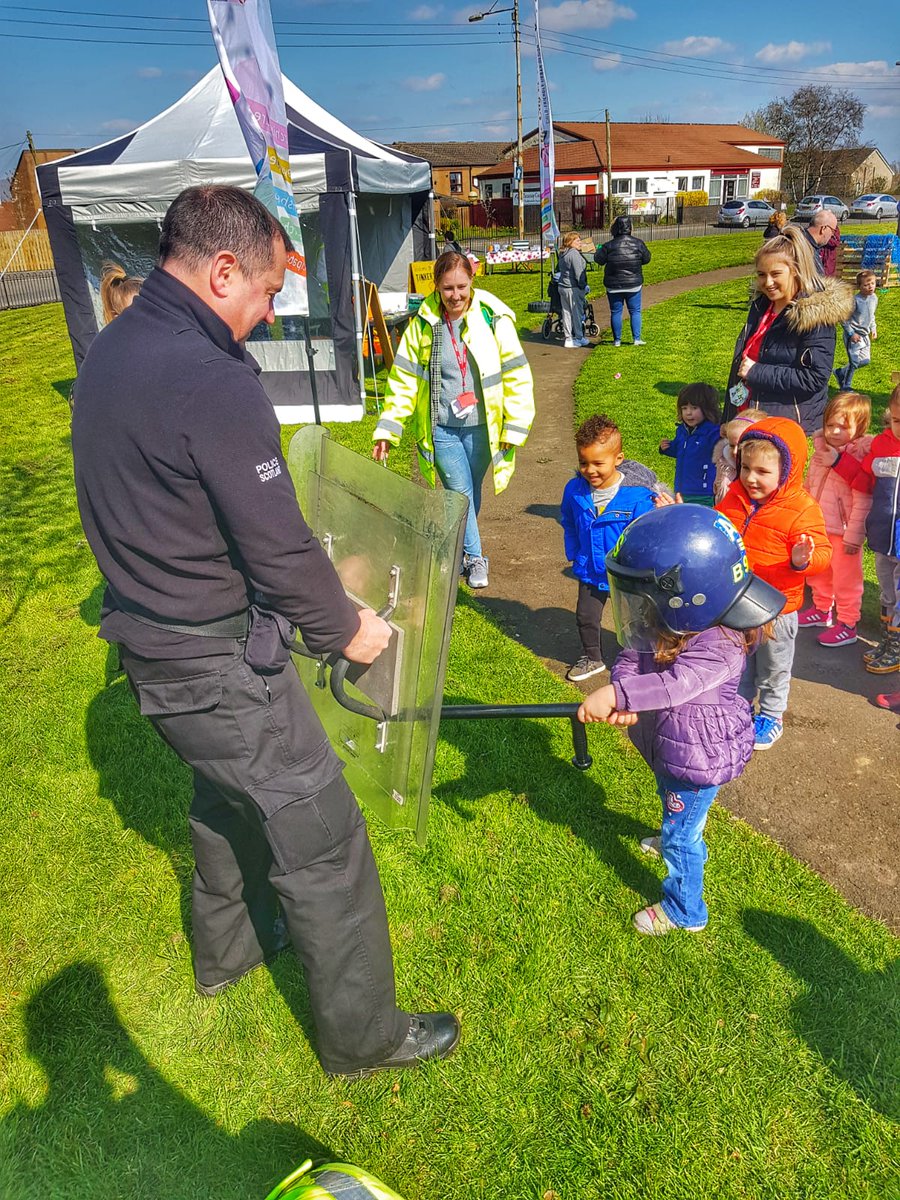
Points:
(683, 567)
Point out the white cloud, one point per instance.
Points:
(149, 72)
(426, 12)
(872, 72)
(119, 125)
(584, 14)
(697, 47)
(608, 62)
(790, 51)
(425, 83)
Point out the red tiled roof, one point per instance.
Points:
(648, 147)
(455, 154)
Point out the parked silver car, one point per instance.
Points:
(874, 206)
(810, 205)
(745, 213)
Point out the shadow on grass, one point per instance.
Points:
(150, 788)
(547, 632)
(111, 1125)
(848, 1016)
(554, 789)
(64, 388)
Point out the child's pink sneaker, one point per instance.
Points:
(813, 616)
(889, 700)
(838, 635)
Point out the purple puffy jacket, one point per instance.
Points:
(697, 728)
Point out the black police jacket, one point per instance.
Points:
(623, 259)
(183, 491)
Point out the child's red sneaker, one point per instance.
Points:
(813, 616)
(889, 700)
(838, 635)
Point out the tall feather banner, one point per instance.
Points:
(549, 228)
(245, 41)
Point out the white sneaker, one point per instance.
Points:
(639, 342)
(571, 344)
(652, 845)
(617, 343)
(584, 341)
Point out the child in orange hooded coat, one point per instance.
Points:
(784, 534)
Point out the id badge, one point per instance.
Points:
(739, 394)
(463, 403)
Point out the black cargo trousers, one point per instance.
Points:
(272, 819)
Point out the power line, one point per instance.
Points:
(367, 45)
(485, 35)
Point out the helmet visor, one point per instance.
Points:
(635, 614)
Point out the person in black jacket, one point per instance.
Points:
(188, 506)
(623, 259)
(785, 353)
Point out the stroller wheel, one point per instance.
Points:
(547, 329)
(592, 330)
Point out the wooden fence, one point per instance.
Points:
(33, 255)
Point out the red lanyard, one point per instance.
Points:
(756, 339)
(462, 359)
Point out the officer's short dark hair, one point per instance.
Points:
(203, 221)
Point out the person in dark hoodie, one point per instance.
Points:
(623, 259)
(784, 355)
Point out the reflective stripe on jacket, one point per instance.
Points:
(489, 332)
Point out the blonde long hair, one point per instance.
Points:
(117, 290)
(791, 245)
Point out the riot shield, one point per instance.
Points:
(395, 546)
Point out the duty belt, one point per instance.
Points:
(234, 626)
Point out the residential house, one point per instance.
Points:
(456, 167)
(853, 172)
(25, 199)
(650, 162)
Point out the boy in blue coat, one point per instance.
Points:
(604, 497)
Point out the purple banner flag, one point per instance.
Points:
(549, 228)
(245, 41)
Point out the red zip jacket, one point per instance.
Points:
(770, 530)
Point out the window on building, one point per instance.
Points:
(456, 183)
(621, 187)
(770, 152)
(743, 188)
(641, 185)
(488, 191)
(682, 183)
(507, 191)
(697, 183)
(715, 189)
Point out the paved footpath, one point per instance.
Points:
(829, 791)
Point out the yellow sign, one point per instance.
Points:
(421, 277)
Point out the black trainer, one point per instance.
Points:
(431, 1035)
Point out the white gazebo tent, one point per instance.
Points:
(365, 211)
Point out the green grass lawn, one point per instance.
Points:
(756, 1060)
(671, 259)
(691, 339)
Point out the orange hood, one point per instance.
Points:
(790, 442)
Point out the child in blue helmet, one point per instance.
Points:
(688, 610)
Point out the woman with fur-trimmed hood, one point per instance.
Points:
(785, 353)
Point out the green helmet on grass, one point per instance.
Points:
(333, 1181)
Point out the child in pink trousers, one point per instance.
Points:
(837, 591)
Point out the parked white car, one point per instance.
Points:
(745, 213)
(874, 206)
(810, 205)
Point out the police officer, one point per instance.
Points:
(188, 507)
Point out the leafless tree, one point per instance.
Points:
(812, 122)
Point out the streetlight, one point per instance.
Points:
(491, 12)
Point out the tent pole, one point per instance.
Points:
(310, 358)
(359, 299)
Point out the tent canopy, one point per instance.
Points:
(364, 210)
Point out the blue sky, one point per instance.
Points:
(419, 71)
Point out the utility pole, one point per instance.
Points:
(520, 182)
(521, 186)
(609, 199)
(30, 142)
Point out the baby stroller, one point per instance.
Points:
(552, 326)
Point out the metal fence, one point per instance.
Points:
(22, 289)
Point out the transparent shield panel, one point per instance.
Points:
(389, 540)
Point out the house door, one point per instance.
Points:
(729, 184)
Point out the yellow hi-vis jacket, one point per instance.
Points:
(506, 382)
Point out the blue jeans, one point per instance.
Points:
(462, 456)
(617, 300)
(685, 808)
